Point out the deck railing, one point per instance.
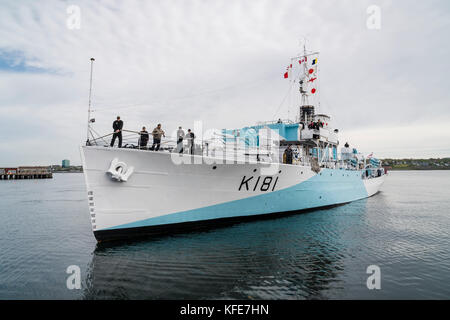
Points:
(217, 147)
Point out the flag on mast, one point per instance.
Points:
(286, 74)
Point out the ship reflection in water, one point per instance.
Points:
(295, 257)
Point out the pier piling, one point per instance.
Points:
(25, 173)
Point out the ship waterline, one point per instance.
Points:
(160, 194)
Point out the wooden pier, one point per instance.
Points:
(25, 173)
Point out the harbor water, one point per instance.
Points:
(323, 254)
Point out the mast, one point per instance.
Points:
(305, 69)
(89, 106)
(306, 110)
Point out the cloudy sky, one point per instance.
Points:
(221, 62)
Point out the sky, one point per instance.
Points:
(175, 62)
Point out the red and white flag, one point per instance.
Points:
(286, 74)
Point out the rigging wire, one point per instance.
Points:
(282, 102)
(247, 84)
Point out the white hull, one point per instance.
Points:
(160, 193)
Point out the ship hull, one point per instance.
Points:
(161, 195)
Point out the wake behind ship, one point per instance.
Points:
(274, 167)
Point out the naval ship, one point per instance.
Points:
(270, 168)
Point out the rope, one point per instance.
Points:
(282, 102)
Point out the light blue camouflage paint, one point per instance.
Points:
(330, 187)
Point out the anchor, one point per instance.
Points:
(119, 171)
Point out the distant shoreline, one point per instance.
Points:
(417, 164)
(70, 169)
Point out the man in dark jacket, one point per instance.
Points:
(143, 138)
(117, 126)
(289, 155)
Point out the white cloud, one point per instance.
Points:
(221, 62)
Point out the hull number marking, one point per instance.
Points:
(265, 185)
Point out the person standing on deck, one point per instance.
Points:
(157, 134)
(190, 138)
(288, 154)
(346, 152)
(117, 126)
(180, 137)
(143, 138)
